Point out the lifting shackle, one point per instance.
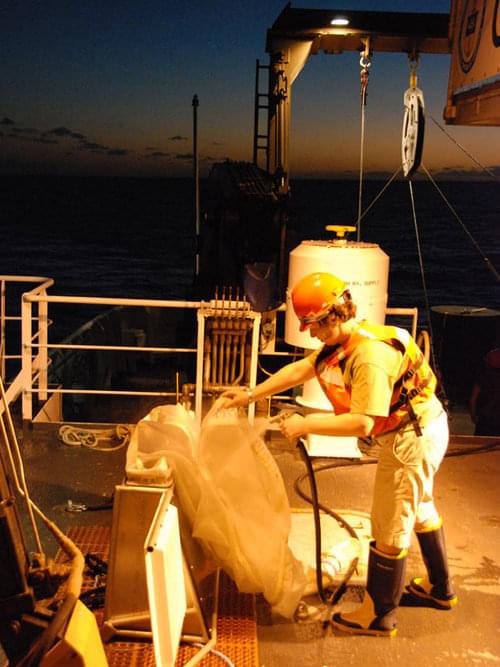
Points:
(365, 64)
(413, 65)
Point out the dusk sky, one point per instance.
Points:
(105, 87)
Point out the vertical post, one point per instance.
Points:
(42, 354)
(254, 359)
(256, 115)
(196, 179)
(2, 330)
(26, 354)
(200, 338)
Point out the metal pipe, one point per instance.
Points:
(111, 348)
(41, 360)
(207, 352)
(105, 392)
(229, 338)
(215, 347)
(2, 328)
(236, 338)
(196, 178)
(242, 362)
(46, 282)
(220, 369)
(111, 301)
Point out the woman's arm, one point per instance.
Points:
(350, 424)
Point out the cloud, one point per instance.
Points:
(65, 132)
(24, 130)
(92, 146)
(118, 151)
(218, 143)
(177, 137)
(184, 156)
(6, 121)
(28, 134)
(158, 154)
(19, 136)
(44, 140)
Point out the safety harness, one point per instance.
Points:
(416, 383)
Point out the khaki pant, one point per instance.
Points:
(403, 492)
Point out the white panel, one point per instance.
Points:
(165, 581)
(332, 446)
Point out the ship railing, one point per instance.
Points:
(412, 313)
(36, 349)
(38, 323)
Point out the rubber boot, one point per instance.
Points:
(384, 587)
(436, 586)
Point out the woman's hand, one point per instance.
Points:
(293, 427)
(232, 398)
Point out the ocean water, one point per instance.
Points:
(136, 237)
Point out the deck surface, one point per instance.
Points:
(467, 494)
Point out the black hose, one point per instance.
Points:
(317, 506)
(317, 520)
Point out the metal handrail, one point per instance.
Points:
(33, 353)
(42, 283)
(33, 377)
(409, 312)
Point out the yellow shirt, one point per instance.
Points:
(371, 371)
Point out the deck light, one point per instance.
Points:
(339, 21)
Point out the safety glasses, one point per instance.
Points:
(320, 320)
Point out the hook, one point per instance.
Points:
(365, 58)
(414, 61)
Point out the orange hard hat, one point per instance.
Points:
(314, 295)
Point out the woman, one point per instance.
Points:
(379, 385)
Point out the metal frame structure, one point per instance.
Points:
(299, 33)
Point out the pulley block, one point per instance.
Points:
(412, 140)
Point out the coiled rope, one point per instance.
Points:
(116, 437)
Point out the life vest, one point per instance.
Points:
(415, 384)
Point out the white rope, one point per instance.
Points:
(464, 150)
(361, 159)
(488, 263)
(422, 272)
(365, 64)
(75, 436)
(377, 197)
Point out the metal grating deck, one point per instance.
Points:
(236, 617)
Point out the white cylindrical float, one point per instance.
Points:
(364, 267)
